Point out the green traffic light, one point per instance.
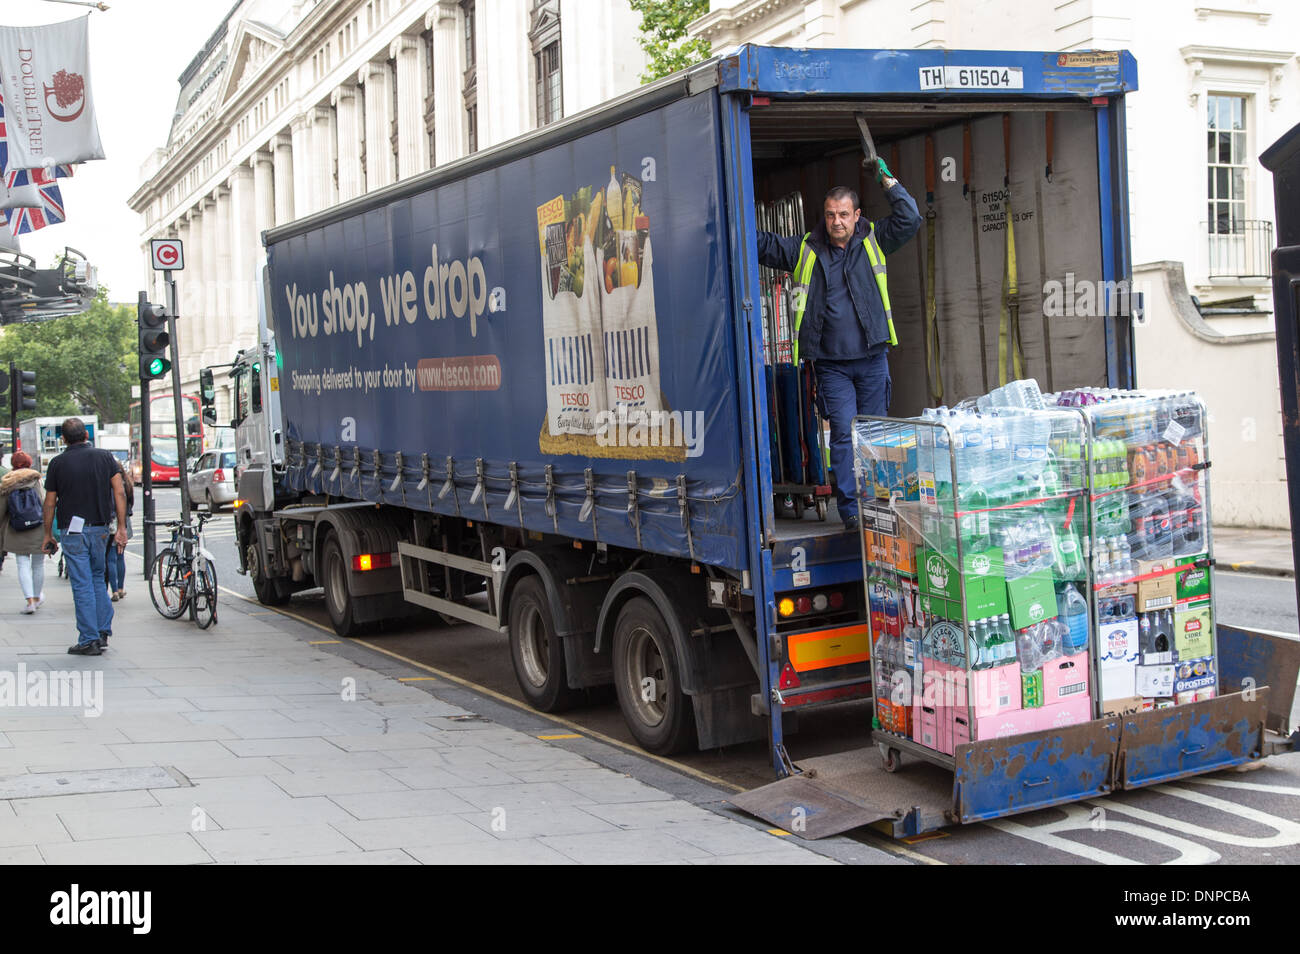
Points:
(157, 366)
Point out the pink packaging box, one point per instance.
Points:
(1012, 722)
(925, 727)
(1060, 714)
(1065, 679)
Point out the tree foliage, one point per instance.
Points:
(663, 35)
(83, 363)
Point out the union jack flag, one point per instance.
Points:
(50, 213)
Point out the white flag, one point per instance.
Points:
(45, 74)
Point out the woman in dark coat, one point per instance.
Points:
(25, 545)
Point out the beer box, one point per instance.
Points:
(1117, 642)
(980, 577)
(1193, 635)
(1155, 680)
(1032, 599)
(1193, 582)
(1158, 592)
(1193, 675)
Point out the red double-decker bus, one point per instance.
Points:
(162, 426)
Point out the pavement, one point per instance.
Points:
(263, 740)
(1254, 551)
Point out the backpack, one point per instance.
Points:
(25, 509)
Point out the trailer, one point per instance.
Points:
(42, 437)
(530, 390)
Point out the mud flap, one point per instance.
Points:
(1021, 773)
(1166, 744)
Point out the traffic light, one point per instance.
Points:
(22, 391)
(154, 341)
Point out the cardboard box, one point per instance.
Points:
(960, 730)
(1065, 679)
(945, 642)
(1014, 722)
(1155, 680)
(1194, 675)
(1117, 642)
(1032, 599)
(1158, 592)
(1118, 680)
(1124, 706)
(980, 577)
(893, 466)
(926, 727)
(1193, 582)
(990, 690)
(1193, 635)
(1057, 715)
(894, 718)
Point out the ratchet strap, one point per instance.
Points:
(1042, 250)
(933, 362)
(968, 193)
(1011, 356)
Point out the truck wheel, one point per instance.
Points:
(538, 654)
(338, 599)
(269, 592)
(647, 677)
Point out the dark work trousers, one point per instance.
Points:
(847, 388)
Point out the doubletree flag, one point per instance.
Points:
(21, 177)
(45, 77)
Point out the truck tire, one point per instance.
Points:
(535, 650)
(334, 578)
(269, 592)
(647, 677)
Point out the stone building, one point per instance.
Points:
(292, 106)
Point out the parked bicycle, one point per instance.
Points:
(183, 575)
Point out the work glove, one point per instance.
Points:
(882, 171)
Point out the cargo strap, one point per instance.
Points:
(515, 498)
(1042, 248)
(551, 510)
(633, 505)
(803, 270)
(338, 464)
(589, 504)
(449, 485)
(399, 482)
(933, 360)
(480, 486)
(683, 504)
(968, 193)
(1011, 356)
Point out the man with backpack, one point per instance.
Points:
(84, 485)
(21, 527)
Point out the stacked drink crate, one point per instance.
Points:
(1037, 560)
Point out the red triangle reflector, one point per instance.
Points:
(789, 678)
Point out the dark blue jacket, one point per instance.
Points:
(816, 341)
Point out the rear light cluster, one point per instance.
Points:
(372, 561)
(219, 476)
(827, 601)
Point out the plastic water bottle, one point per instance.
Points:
(1076, 620)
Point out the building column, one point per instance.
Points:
(324, 152)
(300, 126)
(243, 253)
(448, 82)
(408, 51)
(282, 147)
(350, 134)
(221, 327)
(201, 333)
(185, 305)
(505, 89)
(375, 78)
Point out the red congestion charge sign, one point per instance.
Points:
(167, 254)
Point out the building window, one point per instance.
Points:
(549, 99)
(471, 78)
(544, 35)
(1227, 160)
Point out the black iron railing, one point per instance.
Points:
(1240, 248)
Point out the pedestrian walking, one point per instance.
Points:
(84, 488)
(21, 527)
(113, 557)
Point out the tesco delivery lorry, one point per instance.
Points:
(539, 389)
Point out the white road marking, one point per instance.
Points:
(1079, 819)
(1246, 786)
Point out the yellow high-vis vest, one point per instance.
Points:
(803, 270)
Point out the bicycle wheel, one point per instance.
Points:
(167, 584)
(203, 605)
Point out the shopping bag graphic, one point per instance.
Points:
(575, 356)
(631, 340)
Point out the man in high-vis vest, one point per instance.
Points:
(841, 312)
